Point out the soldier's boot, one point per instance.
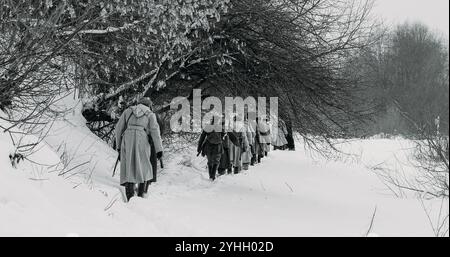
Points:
(253, 161)
(129, 191)
(210, 168)
(221, 172)
(259, 158)
(214, 169)
(141, 189)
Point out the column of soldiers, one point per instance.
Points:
(232, 151)
(138, 136)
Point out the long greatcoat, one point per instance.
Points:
(279, 139)
(265, 136)
(250, 135)
(135, 126)
(237, 151)
(264, 131)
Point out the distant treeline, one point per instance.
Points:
(406, 80)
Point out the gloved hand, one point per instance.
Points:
(159, 155)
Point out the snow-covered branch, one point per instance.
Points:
(104, 31)
(127, 85)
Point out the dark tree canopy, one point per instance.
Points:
(290, 49)
(117, 51)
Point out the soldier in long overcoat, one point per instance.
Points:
(279, 140)
(136, 129)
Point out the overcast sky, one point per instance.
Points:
(434, 13)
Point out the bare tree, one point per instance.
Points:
(34, 72)
(290, 49)
(406, 70)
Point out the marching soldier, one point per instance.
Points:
(136, 132)
(211, 146)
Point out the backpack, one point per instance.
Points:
(214, 138)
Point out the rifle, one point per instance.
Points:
(161, 163)
(115, 166)
(203, 144)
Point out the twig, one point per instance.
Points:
(372, 222)
(111, 204)
(39, 179)
(292, 190)
(262, 185)
(64, 173)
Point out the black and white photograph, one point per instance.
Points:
(221, 119)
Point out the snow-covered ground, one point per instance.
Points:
(289, 194)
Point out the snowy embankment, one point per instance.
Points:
(289, 194)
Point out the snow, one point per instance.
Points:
(289, 194)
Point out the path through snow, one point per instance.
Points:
(289, 194)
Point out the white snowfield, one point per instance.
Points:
(289, 194)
